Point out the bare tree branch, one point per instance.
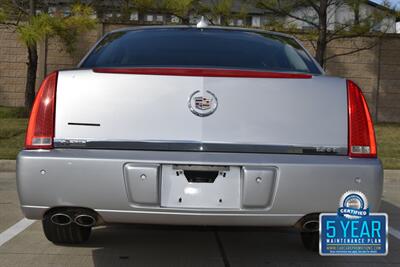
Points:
(338, 30)
(283, 12)
(313, 5)
(13, 24)
(312, 44)
(20, 8)
(353, 51)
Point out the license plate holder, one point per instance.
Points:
(178, 192)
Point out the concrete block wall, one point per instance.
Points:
(13, 56)
(388, 96)
(376, 70)
(361, 67)
(57, 56)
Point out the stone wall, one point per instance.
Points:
(376, 70)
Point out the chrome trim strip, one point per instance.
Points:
(198, 147)
(34, 207)
(190, 213)
(83, 124)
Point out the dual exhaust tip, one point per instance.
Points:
(81, 219)
(311, 226)
(308, 223)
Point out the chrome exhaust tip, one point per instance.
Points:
(85, 220)
(61, 219)
(311, 226)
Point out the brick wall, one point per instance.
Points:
(388, 95)
(361, 67)
(58, 58)
(12, 69)
(376, 70)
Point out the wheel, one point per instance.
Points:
(65, 234)
(310, 240)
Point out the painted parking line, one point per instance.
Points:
(20, 226)
(14, 230)
(394, 232)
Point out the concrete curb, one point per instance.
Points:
(392, 174)
(8, 165)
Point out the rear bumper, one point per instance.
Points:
(94, 179)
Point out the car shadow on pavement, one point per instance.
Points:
(143, 245)
(132, 245)
(393, 213)
(136, 245)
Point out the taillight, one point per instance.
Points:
(362, 142)
(40, 131)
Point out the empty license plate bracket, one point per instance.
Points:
(195, 186)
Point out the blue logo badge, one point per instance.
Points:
(353, 205)
(353, 231)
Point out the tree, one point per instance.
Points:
(317, 15)
(142, 6)
(184, 9)
(212, 10)
(224, 9)
(33, 23)
(181, 8)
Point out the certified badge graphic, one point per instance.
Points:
(353, 230)
(353, 205)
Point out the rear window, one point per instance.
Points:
(205, 48)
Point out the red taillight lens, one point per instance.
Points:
(362, 142)
(40, 131)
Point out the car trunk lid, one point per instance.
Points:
(292, 113)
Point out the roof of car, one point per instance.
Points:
(208, 27)
(195, 27)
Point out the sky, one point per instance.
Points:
(393, 2)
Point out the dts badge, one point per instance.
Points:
(353, 231)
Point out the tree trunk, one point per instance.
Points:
(141, 17)
(185, 20)
(356, 9)
(32, 67)
(31, 77)
(357, 16)
(321, 48)
(323, 28)
(32, 4)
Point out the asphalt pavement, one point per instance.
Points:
(138, 245)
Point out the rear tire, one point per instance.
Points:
(65, 234)
(310, 240)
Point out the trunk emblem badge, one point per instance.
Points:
(202, 104)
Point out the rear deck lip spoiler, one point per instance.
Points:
(199, 147)
(204, 72)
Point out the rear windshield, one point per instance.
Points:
(192, 47)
